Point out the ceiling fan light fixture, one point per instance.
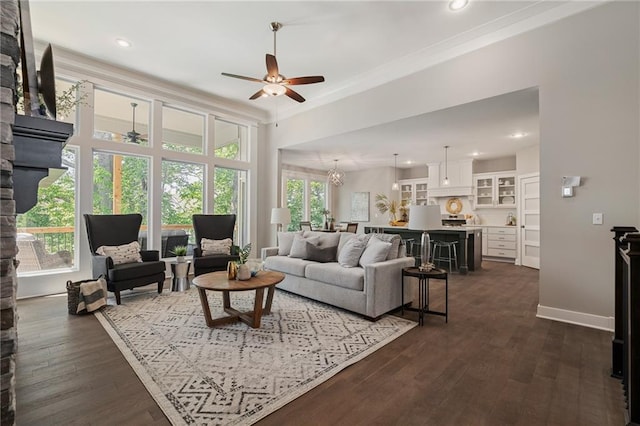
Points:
(274, 89)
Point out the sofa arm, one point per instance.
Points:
(269, 251)
(100, 265)
(149, 255)
(382, 285)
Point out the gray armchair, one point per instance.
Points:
(116, 230)
(213, 227)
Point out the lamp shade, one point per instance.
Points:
(425, 217)
(280, 216)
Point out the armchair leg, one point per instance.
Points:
(117, 293)
(160, 285)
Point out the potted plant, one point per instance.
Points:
(243, 270)
(180, 252)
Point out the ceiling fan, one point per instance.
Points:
(133, 136)
(275, 84)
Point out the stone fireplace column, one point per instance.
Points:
(9, 58)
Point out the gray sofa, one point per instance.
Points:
(371, 290)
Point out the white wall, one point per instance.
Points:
(587, 70)
(528, 160)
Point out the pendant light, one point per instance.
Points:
(395, 185)
(446, 171)
(335, 175)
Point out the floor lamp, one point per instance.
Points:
(424, 218)
(280, 216)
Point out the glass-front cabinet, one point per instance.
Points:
(495, 190)
(413, 191)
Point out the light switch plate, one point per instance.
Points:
(597, 219)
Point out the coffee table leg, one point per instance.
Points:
(267, 306)
(205, 307)
(226, 300)
(257, 308)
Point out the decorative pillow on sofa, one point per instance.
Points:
(395, 241)
(285, 241)
(321, 254)
(352, 250)
(376, 251)
(209, 247)
(299, 246)
(126, 253)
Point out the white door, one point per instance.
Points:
(530, 221)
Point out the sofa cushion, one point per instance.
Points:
(334, 274)
(321, 254)
(299, 246)
(287, 265)
(131, 271)
(326, 239)
(376, 251)
(395, 241)
(285, 241)
(125, 253)
(350, 253)
(209, 247)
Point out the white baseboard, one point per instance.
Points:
(578, 318)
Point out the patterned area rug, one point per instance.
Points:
(233, 374)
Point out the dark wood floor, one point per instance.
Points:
(494, 363)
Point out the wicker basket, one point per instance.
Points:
(73, 296)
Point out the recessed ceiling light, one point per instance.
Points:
(458, 4)
(475, 153)
(518, 135)
(122, 42)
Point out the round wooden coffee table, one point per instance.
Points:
(218, 281)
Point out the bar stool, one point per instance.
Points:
(450, 256)
(410, 246)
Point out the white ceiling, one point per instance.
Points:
(354, 45)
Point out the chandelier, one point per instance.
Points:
(335, 175)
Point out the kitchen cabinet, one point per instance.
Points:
(501, 243)
(414, 191)
(495, 190)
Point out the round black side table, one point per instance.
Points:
(423, 291)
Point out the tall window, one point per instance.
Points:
(295, 202)
(46, 233)
(307, 197)
(113, 118)
(182, 197)
(230, 197)
(182, 131)
(120, 184)
(231, 140)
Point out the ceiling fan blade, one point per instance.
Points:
(260, 93)
(294, 95)
(304, 80)
(272, 67)
(243, 77)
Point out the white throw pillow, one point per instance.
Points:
(299, 246)
(209, 247)
(285, 241)
(376, 251)
(351, 251)
(126, 253)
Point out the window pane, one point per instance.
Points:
(46, 233)
(231, 140)
(295, 202)
(318, 199)
(67, 101)
(120, 184)
(182, 189)
(230, 197)
(113, 118)
(182, 131)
